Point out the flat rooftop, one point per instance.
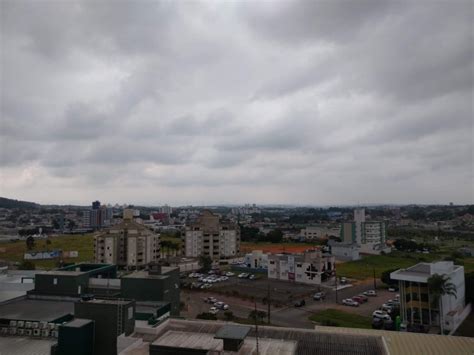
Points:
(305, 341)
(412, 343)
(144, 275)
(231, 331)
(36, 310)
(183, 339)
(109, 301)
(78, 323)
(25, 346)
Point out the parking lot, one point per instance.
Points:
(241, 294)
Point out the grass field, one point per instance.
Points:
(341, 319)
(84, 244)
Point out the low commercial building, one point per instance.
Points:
(210, 236)
(318, 232)
(257, 259)
(128, 244)
(344, 251)
(416, 299)
(310, 267)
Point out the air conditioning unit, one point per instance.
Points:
(12, 331)
(20, 331)
(36, 332)
(51, 326)
(21, 323)
(43, 325)
(54, 333)
(13, 323)
(45, 333)
(28, 332)
(4, 331)
(35, 325)
(27, 325)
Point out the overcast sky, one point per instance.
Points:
(302, 102)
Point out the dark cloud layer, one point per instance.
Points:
(320, 102)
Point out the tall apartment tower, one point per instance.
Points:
(359, 219)
(211, 237)
(128, 244)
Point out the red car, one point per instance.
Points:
(360, 299)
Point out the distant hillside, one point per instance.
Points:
(9, 203)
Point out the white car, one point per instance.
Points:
(213, 310)
(371, 293)
(229, 273)
(381, 315)
(350, 302)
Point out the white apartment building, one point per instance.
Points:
(309, 268)
(128, 244)
(211, 237)
(416, 300)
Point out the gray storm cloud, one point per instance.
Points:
(304, 102)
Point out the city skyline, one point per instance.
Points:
(203, 103)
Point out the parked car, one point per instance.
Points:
(229, 273)
(370, 293)
(350, 302)
(377, 323)
(381, 315)
(300, 303)
(363, 298)
(343, 280)
(252, 277)
(319, 296)
(211, 300)
(221, 305)
(387, 308)
(389, 325)
(393, 289)
(359, 299)
(213, 310)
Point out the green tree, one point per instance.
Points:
(440, 285)
(205, 262)
(30, 243)
(385, 277)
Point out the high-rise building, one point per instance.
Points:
(128, 244)
(98, 216)
(369, 235)
(211, 237)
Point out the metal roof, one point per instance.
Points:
(36, 310)
(78, 323)
(235, 332)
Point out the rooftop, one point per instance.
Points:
(411, 343)
(36, 310)
(421, 271)
(231, 331)
(77, 323)
(23, 345)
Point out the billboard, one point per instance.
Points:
(42, 255)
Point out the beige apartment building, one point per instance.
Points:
(128, 244)
(211, 237)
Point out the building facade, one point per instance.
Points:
(416, 299)
(310, 268)
(257, 259)
(209, 236)
(128, 244)
(97, 217)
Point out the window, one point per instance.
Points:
(55, 281)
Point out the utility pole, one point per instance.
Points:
(268, 302)
(256, 326)
(375, 282)
(335, 277)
